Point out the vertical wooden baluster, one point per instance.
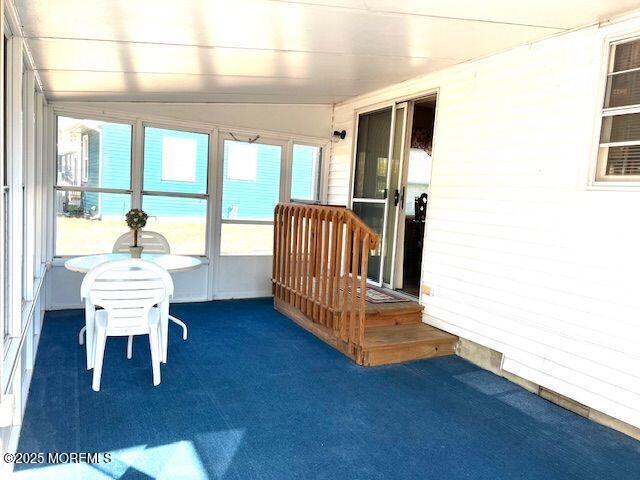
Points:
(338, 270)
(285, 237)
(305, 261)
(345, 280)
(274, 269)
(312, 261)
(333, 226)
(294, 257)
(326, 259)
(363, 286)
(317, 267)
(294, 253)
(287, 252)
(298, 256)
(355, 248)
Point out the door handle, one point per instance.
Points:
(396, 198)
(385, 194)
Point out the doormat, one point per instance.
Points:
(378, 295)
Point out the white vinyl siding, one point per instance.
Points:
(522, 256)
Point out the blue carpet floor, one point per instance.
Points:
(251, 395)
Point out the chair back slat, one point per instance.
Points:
(127, 290)
(153, 242)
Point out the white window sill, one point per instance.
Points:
(615, 186)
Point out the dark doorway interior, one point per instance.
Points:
(418, 177)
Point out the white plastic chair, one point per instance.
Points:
(127, 290)
(153, 242)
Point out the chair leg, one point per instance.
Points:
(130, 347)
(154, 344)
(83, 330)
(101, 338)
(182, 324)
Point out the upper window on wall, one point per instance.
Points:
(619, 152)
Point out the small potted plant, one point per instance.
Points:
(136, 220)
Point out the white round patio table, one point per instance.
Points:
(171, 263)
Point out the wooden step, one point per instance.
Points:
(394, 342)
(392, 313)
(402, 343)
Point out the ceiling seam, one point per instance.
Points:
(213, 47)
(413, 14)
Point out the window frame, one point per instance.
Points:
(283, 192)
(610, 37)
(74, 188)
(211, 133)
(217, 134)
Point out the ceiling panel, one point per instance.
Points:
(56, 54)
(268, 50)
(270, 25)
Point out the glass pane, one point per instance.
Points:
(373, 215)
(627, 56)
(175, 161)
(89, 222)
(93, 153)
(251, 180)
(623, 89)
(305, 171)
(182, 220)
(394, 174)
(623, 161)
(371, 155)
(418, 178)
(620, 128)
(243, 239)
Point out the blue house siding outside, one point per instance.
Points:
(242, 199)
(113, 170)
(252, 199)
(163, 206)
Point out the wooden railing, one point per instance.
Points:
(320, 266)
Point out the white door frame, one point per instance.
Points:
(400, 186)
(400, 227)
(384, 201)
(399, 230)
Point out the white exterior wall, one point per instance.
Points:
(521, 254)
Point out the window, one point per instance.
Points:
(179, 159)
(619, 152)
(175, 191)
(6, 197)
(250, 191)
(305, 172)
(90, 204)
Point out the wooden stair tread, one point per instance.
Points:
(404, 335)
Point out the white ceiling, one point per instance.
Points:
(274, 51)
